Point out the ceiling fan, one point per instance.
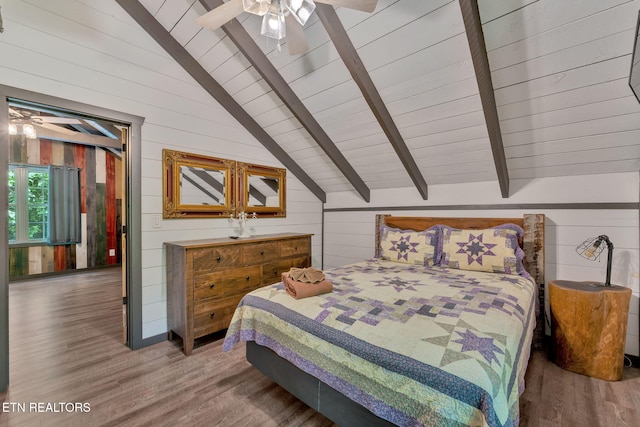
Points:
(26, 121)
(280, 18)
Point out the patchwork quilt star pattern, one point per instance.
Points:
(407, 246)
(493, 250)
(347, 304)
(475, 249)
(397, 337)
(403, 246)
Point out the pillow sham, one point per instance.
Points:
(519, 252)
(409, 246)
(493, 250)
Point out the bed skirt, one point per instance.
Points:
(313, 392)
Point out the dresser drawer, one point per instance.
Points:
(259, 253)
(213, 315)
(272, 272)
(226, 282)
(207, 278)
(208, 259)
(294, 247)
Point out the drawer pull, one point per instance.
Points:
(295, 248)
(211, 314)
(275, 272)
(211, 285)
(261, 252)
(248, 277)
(219, 258)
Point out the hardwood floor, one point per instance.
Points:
(66, 347)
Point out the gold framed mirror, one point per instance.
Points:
(196, 186)
(262, 189)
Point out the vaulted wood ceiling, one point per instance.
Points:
(423, 92)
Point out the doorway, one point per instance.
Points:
(117, 135)
(65, 191)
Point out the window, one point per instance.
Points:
(44, 204)
(28, 204)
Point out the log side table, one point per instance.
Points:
(589, 327)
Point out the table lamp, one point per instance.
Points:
(593, 247)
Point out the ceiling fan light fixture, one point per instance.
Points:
(273, 25)
(257, 7)
(29, 131)
(301, 10)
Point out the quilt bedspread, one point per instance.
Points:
(415, 345)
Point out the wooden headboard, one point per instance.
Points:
(532, 243)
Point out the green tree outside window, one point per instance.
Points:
(12, 205)
(38, 204)
(28, 203)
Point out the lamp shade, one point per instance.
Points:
(593, 247)
(273, 25)
(29, 131)
(301, 10)
(257, 7)
(21, 127)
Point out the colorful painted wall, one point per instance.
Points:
(101, 188)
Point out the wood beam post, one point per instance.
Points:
(473, 26)
(142, 16)
(236, 32)
(354, 64)
(78, 138)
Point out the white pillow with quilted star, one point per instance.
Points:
(491, 250)
(408, 246)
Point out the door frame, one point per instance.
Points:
(133, 266)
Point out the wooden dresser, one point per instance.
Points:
(206, 279)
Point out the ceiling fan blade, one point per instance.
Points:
(296, 40)
(41, 129)
(363, 5)
(55, 119)
(14, 113)
(219, 16)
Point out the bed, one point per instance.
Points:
(404, 342)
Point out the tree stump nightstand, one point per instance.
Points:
(589, 327)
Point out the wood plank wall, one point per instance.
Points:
(101, 208)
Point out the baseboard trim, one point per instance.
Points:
(154, 339)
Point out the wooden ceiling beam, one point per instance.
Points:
(236, 32)
(327, 15)
(106, 128)
(66, 135)
(80, 128)
(473, 26)
(140, 14)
